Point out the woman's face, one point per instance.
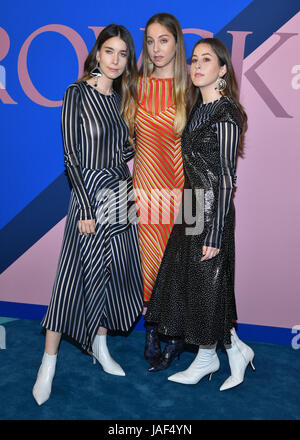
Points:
(113, 57)
(161, 45)
(205, 68)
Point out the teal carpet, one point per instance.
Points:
(83, 391)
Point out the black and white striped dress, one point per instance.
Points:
(99, 279)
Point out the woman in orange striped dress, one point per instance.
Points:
(158, 173)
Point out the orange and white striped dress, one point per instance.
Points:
(157, 173)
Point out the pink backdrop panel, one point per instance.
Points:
(267, 198)
(30, 278)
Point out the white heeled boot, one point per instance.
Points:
(206, 362)
(101, 353)
(239, 356)
(43, 385)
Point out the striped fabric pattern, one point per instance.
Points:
(94, 136)
(158, 173)
(99, 278)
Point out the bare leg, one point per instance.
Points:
(102, 331)
(52, 342)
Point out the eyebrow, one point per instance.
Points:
(111, 48)
(163, 35)
(202, 55)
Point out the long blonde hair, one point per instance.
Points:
(180, 72)
(126, 84)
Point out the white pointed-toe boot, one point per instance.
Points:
(43, 385)
(101, 353)
(239, 356)
(206, 362)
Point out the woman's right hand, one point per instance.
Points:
(209, 252)
(86, 227)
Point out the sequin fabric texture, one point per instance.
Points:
(193, 299)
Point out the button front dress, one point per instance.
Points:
(99, 278)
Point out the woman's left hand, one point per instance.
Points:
(86, 227)
(209, 252)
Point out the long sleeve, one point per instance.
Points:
(71, 138)
(228, 138)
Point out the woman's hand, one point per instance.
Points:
(209, 252)
(86, 227)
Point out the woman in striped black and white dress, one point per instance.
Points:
(193, 297)
(98, 284)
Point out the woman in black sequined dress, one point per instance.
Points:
(193, 297)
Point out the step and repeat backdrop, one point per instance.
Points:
(42, 49)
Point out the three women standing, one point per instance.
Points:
(98, 283)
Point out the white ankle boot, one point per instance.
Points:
(206, 362)
(239, 355)
(42, 387)
(101, 353)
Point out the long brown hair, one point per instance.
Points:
(180, 72)
(126, 84)
(194, 94)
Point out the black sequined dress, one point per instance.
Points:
(194, 299)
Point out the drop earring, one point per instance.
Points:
(96, 73)
(221, 84)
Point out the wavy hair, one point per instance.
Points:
(126, 84)
(232, 90)
(180, 74)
